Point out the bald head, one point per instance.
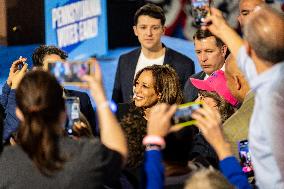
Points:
(245, 8)
(235, 79)
(264, 33)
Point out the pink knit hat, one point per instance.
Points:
(216, 82)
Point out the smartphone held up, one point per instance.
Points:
(73, 113)
(70, 73)
(200, 10)
(245, 157)
(182, 116)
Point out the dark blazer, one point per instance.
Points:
(123, 84)
(85, 107)
(190, 92)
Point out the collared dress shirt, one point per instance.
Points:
(266, 132)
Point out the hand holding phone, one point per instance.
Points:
(182, 116)
(200, 10)
(70, 73)
(245, 157)
(73, 113)
(14, 69)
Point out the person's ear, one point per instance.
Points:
(164, 29)
(240, 20)
(224, 50)
(19, 114)
(237, 82)
(135, 30)
(159, 96)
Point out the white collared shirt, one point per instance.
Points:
(266, 132)
(223, 69)
(143, 62)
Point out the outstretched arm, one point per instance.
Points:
(209, 122)
(157, 128)
(111, 133)
(220, 28)
(15, 76)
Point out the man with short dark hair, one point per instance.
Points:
(45, 54)
(41, 56)
(211, 52)
(149, 27)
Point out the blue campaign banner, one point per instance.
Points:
(79, 27)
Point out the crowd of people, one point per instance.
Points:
(139, 145)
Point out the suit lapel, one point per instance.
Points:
(202, 75)
(133, 63)
(130, 71)
(168, 57)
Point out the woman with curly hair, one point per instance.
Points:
(152, 85)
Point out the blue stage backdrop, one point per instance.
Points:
(78, 27)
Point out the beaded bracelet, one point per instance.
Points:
(150, 147)
(154, 140)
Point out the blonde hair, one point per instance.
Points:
(208, 178)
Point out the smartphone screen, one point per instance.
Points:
(245, 157)
(200, 10)
(70, 73)
(183, 114)
(73, 112)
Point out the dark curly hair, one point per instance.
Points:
(225, 108)
(166, 82)
(43, 50)
(135, 128)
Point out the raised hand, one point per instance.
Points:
(159, 120)
(209, 122)
(14, 69)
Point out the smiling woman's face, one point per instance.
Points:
(144, 92)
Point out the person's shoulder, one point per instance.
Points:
(123, 109)
(198, 75)
(81, 146)
(11, 153)
(177, 54)
(132, 53)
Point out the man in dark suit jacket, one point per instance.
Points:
(211, 53)
(44, 54)
(190, 92)
(148, 26)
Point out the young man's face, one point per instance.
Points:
(50, 58)
(149, 32)
(210, 56)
